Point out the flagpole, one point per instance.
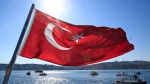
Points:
(13, 59)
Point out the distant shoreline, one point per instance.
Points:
(101, 66)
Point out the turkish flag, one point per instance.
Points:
(67, 44)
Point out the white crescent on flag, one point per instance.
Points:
(49, 36)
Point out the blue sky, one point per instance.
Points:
(133, 16)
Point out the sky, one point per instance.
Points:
(133, 16)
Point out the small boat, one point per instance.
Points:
(28, 73)
(138, 73)
(38, 71)
(43, 74)
(93, 73)
(124, 78)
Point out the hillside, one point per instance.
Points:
(104, 65)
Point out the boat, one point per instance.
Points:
(138, 73)
(93, 73)
(38, 71)
(28, 73)
(125, 78)
(43, 74)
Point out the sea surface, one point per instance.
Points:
(69, 76)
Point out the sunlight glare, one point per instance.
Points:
(53, 7)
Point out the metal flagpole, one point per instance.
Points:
(13, 59)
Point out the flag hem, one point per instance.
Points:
(19, 51)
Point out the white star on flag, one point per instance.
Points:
(78, 37)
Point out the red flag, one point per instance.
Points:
(63, 43)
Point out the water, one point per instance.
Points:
(69, 77)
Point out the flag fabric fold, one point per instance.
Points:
(62, 43)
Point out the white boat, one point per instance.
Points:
(125, 78)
